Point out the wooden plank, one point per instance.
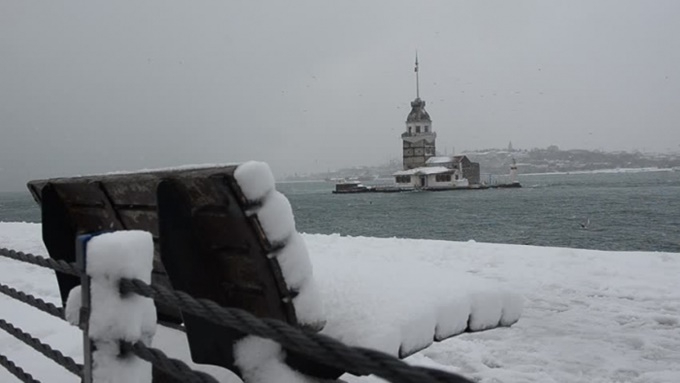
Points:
(135, 219)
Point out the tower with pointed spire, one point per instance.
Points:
(418, 139)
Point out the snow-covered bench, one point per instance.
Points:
(224, 233)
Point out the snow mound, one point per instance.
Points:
(255, 179)
(276, 217)
(400, 307)
(261, 361)
(73, 305)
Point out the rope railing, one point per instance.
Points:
(55, 355)
(57, 265)
(174, 367)
(17, 371)
(32, 301)
(317, 347)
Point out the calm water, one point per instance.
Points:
(627, 211)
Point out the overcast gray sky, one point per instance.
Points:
(92, 86)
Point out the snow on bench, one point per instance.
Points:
(401, 307)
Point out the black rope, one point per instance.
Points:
(43, 348)
(32, 301)
(58, 265)
(175, 367)
(317, 347)
(16, 370)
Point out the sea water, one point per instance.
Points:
(622, 211)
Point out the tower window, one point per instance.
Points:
(417, 128)
(409, 130)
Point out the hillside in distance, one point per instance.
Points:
(552, 159)
(497, 162)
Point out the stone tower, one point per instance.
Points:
(418, 139)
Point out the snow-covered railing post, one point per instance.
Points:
(108, 318)
(84, 312)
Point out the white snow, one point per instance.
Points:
(275, 215)
(261, 361)
(589, 316)
(110, 257)
(294, 262)
(73, 304)
(108, 367)
(439, 160)
(399, 305)
(309, 307)
(156, 170)
(168, 169)
(174, 345)
(423, 170)
(255, 179)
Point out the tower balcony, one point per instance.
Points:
(420, 134)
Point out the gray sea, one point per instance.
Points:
(626, 211)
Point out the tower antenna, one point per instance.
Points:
(417, 80)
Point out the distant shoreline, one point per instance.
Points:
(602, 171)
(596, 171)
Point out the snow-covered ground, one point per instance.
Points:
(589, 316)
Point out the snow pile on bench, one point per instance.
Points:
(275, 215)
(400, 307)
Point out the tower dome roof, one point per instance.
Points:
(418, 112)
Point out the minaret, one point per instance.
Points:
(419, 139)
